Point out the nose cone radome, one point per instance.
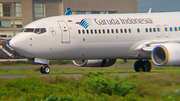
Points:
(18, 42)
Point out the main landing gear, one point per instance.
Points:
(45, 69)
(144, 66)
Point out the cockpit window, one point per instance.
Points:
(43, 30)
(35, 30)
(22, 30)
(29, 30)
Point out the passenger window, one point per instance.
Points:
(146, 29)
(79, 31)
(138, 30)
(125, 30)
(29, 30)
(166, 29)
(112, 30)
(150, 30)
(107, 30)
(91, 31)
(154, 29)
(175, 28)
(99, 31)
(87, 31)
(129, 30)
(95, 31)
(171, 29)
(43, 30)
(37, 31)
(103, 31)
(121, 30)
(83, 31)
(117, 31)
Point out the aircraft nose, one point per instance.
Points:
(18, 42)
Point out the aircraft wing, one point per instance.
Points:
(150, 45)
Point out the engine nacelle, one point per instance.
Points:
(94, 63)
(166, 54)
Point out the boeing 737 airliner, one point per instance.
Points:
(97, 40)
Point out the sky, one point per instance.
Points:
(158, 5)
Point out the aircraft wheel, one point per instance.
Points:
(42, 69)
(45, 69)
(147, 66)
(138, 65)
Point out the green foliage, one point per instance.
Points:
(91, 74)
(110, 86)
(93, 86)
(59, 98)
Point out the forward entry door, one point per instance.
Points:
(65, 33)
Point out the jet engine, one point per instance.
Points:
(166, 54)
(94, 63)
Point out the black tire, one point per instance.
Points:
(45, 69)
(147, 66)
(138, 65)
(42, 70)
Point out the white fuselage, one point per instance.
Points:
(64, 38)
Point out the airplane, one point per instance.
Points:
(97, 40)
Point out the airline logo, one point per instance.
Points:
(85, 22)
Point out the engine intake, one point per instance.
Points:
(166, 54)
(94, 63)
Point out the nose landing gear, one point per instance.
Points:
(144, 66)
(45, 69)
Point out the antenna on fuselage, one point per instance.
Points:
(150, 10)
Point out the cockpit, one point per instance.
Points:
(34, 30)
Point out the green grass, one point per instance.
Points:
(97, 86)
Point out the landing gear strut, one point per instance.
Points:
(45, 69)
(144, 66)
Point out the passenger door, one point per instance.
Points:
(65, 33)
